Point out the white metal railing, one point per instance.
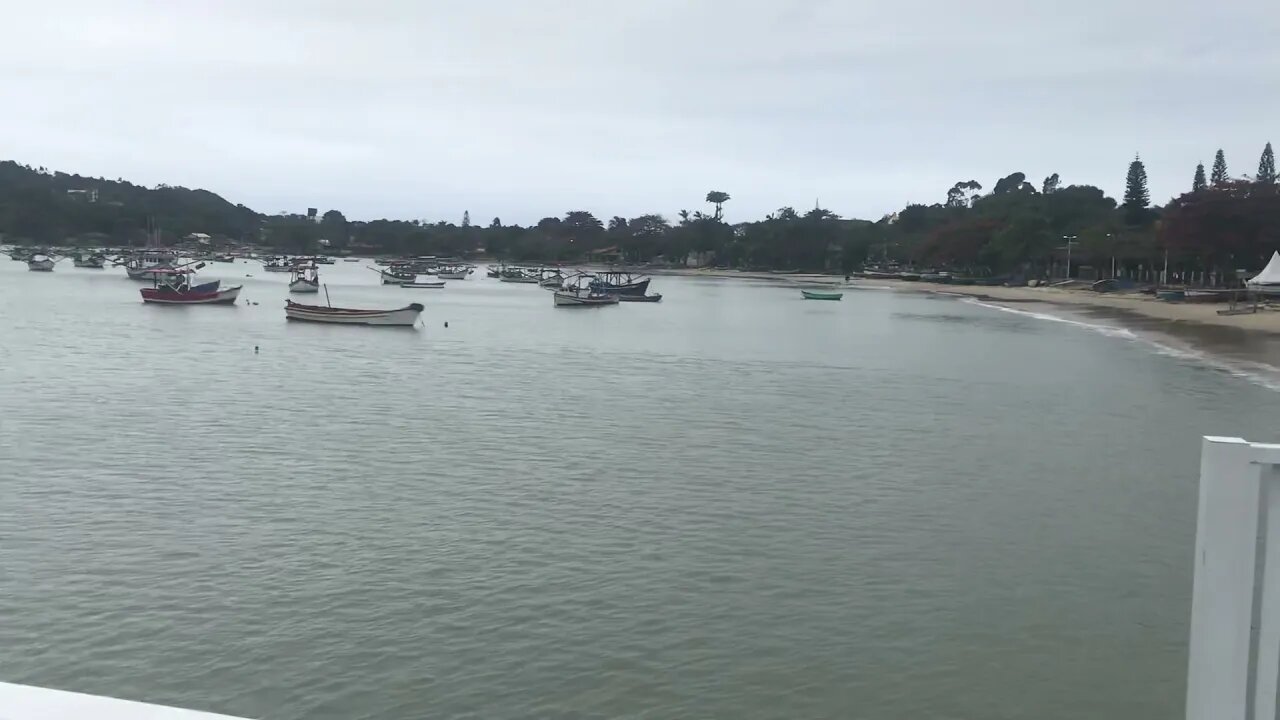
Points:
(1239, 497)
(24, 702)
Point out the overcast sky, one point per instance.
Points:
(528, 108)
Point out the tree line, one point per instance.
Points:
(1221, 223)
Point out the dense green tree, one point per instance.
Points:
(1267, 166)
(962, 194)
(1198, 182)
(1136, 195)
(1050, 184)
(718, 198)
(1219, 175)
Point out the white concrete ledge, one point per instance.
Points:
(24, 702)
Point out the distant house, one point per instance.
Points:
(200, 238)
(90, 195)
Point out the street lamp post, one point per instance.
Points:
(1071, 239)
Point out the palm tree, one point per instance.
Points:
(718, 198)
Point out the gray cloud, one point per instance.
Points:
(525, 109)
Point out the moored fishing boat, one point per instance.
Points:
(656, 297)
(396, 277)
(406, 316)
(424, 285)
(454, 272)
(92, 262)
(41, 263)
(821, 295)
(304, 280)
(582, 293)
(620, 282)
(173, 287)
(149, 264)
(278, 264)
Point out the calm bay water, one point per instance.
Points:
(732, 504)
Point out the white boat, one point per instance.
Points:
(391, 277)
(406, 316)
(523, 279)
(425, 285)
(41, 263)
(454, 272)
(278, 264)
(144, 265)
(304, 280)
(582, 297)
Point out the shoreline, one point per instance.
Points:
(1143, 307)
(1248, 343)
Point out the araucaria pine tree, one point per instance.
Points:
(1267, 166)
(1199, 183)
(1136, 195)
(1219, 175)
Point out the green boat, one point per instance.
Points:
(821, 295)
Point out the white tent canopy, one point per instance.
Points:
(1270, 274)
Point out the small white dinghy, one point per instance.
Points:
(424, 285)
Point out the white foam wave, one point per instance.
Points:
(1259, 373)
(1108, 330)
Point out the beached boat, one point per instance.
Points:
(821, 295)
(656, 297)
(350, 259)
(406, 316)
(424, 285)
(521, 278)
(41, 263)
(173, 287)
(91, 262)
(323, 260)
(618, 282)
(224, 258)
(304, 280)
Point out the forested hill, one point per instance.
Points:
(1014, 226)
(44, 206)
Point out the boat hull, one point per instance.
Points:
(569, 299)
(162, 296)
(304, 286)
(809, 295)
(453, 275)
(520, 280)
(635, 288)
(656, 297)
(88, 264)
(402, 317)
(423, 285)
(45, 265)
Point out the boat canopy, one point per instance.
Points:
(1270, 274)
